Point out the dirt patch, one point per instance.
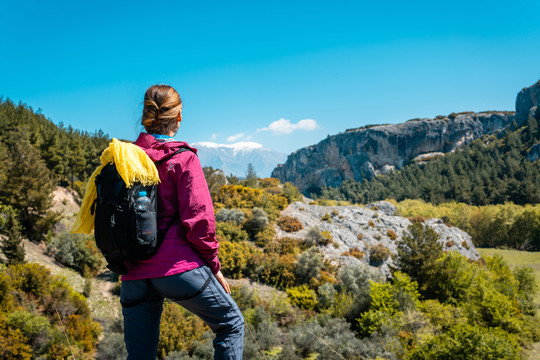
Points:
(65, 201)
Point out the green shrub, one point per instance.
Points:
(77, 251)
(326, 217)
(378, 254)
(230, 231)
(34, 327)
(315, 237)
(273, 269)
(303, 297)
(291, 192)
(391, 234)
(234, 215)
(235, 257)
(257, 222)
(467, 342)
(308, 266)
(265, 236)
(179, 329)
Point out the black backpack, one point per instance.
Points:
(117, 221)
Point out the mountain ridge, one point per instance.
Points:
(365, 152)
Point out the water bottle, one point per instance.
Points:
(143, 202)
(146, 220)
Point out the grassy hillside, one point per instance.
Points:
(516, 258)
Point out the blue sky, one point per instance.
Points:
(284, 74)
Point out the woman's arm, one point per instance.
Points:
(197, 212)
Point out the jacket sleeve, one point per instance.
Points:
(197, 212)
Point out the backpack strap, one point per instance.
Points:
(181, 150)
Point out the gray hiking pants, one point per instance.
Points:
(199, 292)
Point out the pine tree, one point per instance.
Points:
(251, 176)
(418, 252)
(12, 246)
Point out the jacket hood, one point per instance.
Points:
(158, 150)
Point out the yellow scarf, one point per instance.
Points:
(133, 165)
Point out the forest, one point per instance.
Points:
(491, 170)
(435, 304)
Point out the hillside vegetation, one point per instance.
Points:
(35, 156)
(490, 170)
(436, 304)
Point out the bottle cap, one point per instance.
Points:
(142, 193)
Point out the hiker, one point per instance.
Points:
(186, 268)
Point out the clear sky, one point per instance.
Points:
(284, 74)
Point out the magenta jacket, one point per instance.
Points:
(184, 199)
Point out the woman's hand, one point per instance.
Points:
(219, 276)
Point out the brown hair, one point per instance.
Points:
(162, 106)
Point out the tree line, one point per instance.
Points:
(36, 155)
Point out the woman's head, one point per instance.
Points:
(162, 110)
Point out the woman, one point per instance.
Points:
(186, 268)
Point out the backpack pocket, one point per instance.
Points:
(146, 228)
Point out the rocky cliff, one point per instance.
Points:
(371, 150)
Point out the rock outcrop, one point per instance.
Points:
(363, 228)
(379, 149)
(368, 151)
(527, 102)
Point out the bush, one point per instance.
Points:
(35, 328)
(283, 246)
(378, 254)
(179, 329)
(308, 266)
(326, 217)
(241, 197)
(467, 342)
(230, 231)
(257, 222)
(13, 343)
(354, 252)
(273, 269)
(235, 257)
(315, 237)
(33, 279)
(327, 238)
(303, 297)
(391, 234)
(291, 192)
(289, 224)
(339, 341)
(234, 215)
(265, 236)
(77, 251)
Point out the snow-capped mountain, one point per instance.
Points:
(234, 158)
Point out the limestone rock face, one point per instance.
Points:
(362, 228)
(527, 99)
(369, 151)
